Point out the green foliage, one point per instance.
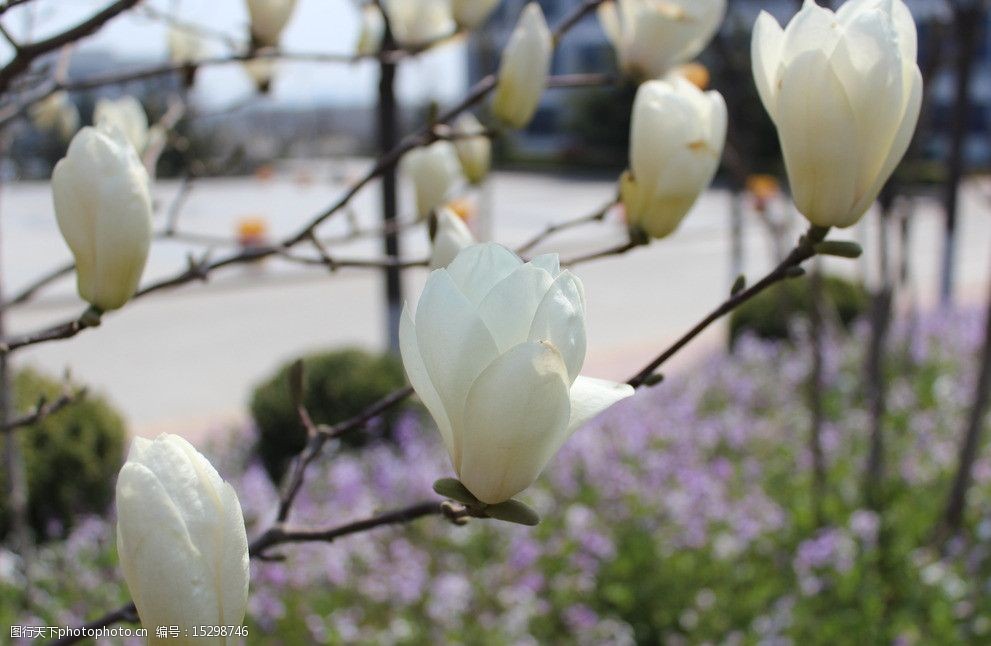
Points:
(772, 313)
(338, 385)
(71, 457)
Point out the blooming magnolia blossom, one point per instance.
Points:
(56, 113)
(436, 172)
(268, 19)
(125, 114)
(185, 46)
(181, 540)
(526, 63)
(470, 14)
(844, 91)
(652, 36)
(676, 141)
(103, 208)
(452, 235)
(473, 147)
(419, 22)
(372, 31)
(261, 71)
(494, 350)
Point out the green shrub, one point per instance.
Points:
(71, 457)
(338, 385)
(770, 315)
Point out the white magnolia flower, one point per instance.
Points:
(844, 91)
(268, 19)
(470, 14)
(676, 142)
(652, 36)
(185, 46)
(526, 63)
(494, 351)
(474, 152)
(372, 31)
(181, 540)
(261, 71)
(419, 22)
(124, 114)
(452, 235)
(103, 208)
(436, 173)
(56, 113)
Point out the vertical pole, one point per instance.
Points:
(388, 137)
(966, 24)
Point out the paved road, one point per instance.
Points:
(186, 360)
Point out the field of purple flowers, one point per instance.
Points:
(681, 516)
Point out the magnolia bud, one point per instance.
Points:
(103, 208)
(185, 46)
(474, 152)
(181, 540)
(268, 19)
(470, 14)
(261, 70)
(372, 31)
(494, 351)
(844, 91)
(676, 142)
(435, 172)
(452, 235)
(415, 23)
(124, 114)
(526, 62)
(652, 36)
(56, 113)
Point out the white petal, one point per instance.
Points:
(560, 319)
(509, 307)
(420, 379)
(765, 53)
(515, 420)
(589, 397)
(820, 147)
(454, 344)
(478, 268)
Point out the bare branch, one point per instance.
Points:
(27, 53)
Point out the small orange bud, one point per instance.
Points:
(697, 74)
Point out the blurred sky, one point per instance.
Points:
(316, 26)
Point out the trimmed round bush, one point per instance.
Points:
(338, 385)
(71, 457)
(771, 314)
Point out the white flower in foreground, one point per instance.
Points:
(652, 36)
(372, 31)
(268, 19)
(452, 235)
(124, 114)
(470, 14)
(56, 113)
(103, 208)
(436, 172)
(676, 142)
(494, 351)
(181, 540)
(474, 152)
(419, 22)
(526, 63)
(844, 91)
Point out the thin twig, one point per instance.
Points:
(802, 252)
(43, 410)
